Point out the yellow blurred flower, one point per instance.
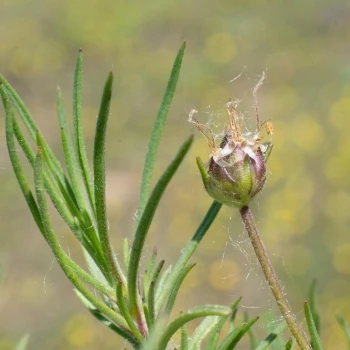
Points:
(224, 274)
(220, 48)
(341, 259)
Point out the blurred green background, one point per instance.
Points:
(304, 211)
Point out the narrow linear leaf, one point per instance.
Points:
(151, 311)
(157, 130)
(72, 170)
(234, 308)
(236, 335)
(147, 217)
(146, 313)
(78, 129)
(188, 252)
(157, 271)
(252, 338)
(60, 198)
(232, 320)
(126, 253)
(16, 165)
(312, 304)
(215, 334)
(100, 181)
(269, 323)
(23, 343)
(126, 314)
(202, 330)
(196, 312)
(315, 338)
(59, 179)
(184, 338)
(162, 281)
(151, 295)
(345, 327)
(289, 344)
(176, 287)
(147, 277)
(271, 337)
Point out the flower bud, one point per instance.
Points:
(236, 171)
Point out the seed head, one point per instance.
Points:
(236, 171)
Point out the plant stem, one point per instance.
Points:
(272, 279)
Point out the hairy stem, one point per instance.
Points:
(272, 279)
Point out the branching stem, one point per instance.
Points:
(272, 279)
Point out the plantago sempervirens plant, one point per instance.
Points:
(137, 304)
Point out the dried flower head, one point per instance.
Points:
(236, 170)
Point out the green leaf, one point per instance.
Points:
(215, 334)
(157, 130)
(66, 264)
(26, 118)
(214, 338)
(233, 316)
(78, 130)
(69, 155)
(202, 330)
(252, 338)
(345, 327)
(151, 295)
(146, 219)
(23, 343)
(31, 202)
(152, 342)
(126, 253)
(315, 338)
(126, 313)
(58, 179)
(100, 182)
(184, 338)
(123, 332)
(289, 344)
(236, 335)
(155, 275)
(173, 294)
(187, 252)
(147, 277)
(151, 311)
(196, 312)
(117, 329)
(162, 281)
(312, 304)
(271, 337)
(16, 165)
